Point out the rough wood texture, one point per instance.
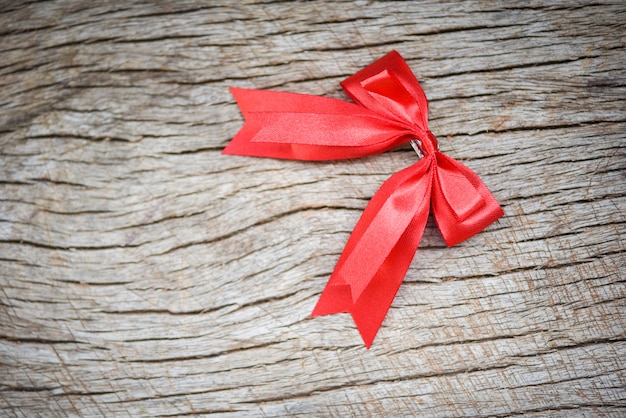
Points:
(143, 273)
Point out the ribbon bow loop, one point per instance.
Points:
(389, 87)
(462, 205)
(391, 108)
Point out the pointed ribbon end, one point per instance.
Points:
(334, 299)
(338, 299)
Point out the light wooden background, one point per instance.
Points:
(142, 273)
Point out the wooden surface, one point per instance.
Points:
(142, 273)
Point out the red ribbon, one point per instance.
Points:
(391, 109)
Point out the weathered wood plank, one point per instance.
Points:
(143, 273)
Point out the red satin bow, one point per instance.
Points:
(391, 109)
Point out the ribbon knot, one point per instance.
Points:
(432, 141)
(390, 109)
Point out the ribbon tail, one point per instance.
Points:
(306, 127)
(380, 250)
(462, 204)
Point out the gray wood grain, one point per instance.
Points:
(142, 273)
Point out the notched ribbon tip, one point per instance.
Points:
(390, 109)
